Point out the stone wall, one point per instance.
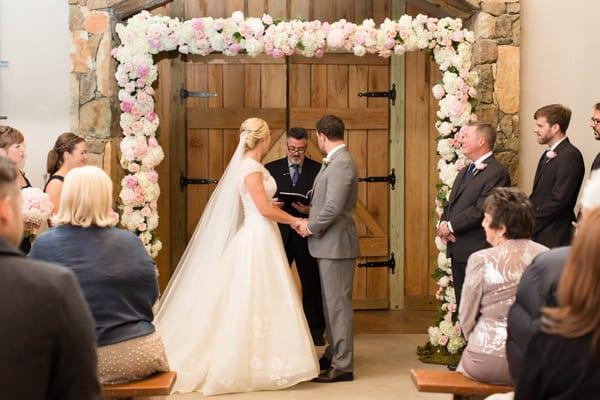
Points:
(496, 58)
(94, 103)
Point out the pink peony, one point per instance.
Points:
(153, 176)
(143, 69)
(443, 340)
(130, 181)
(126, 106)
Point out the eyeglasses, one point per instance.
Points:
(595, 120)
(299, 150)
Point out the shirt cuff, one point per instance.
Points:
(450, 227)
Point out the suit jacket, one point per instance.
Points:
(280, 171)
(537, 289)
(333, 203)
(464, 210)
(596, 162)
(48, 346)
(555, 189)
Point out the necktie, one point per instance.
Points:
(296, 174)
(471, 169)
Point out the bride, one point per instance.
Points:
(231, 318)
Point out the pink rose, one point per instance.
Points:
(452, 307)
(152, 141)
(443, 340)
(130, 181)
(153, 176)
(146, 212)
(141, 227)
(143, 70)
(126, 106)
(276, 53)
(197, 24)
(235, 48)
(456, 330)
(133, 167)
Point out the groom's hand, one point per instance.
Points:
(301, 207)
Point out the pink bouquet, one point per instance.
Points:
(37, 208)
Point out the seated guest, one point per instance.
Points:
(69, 152)
(491, 283)
(537, 287)
(47, 337)
(115, 272)
(562, 360)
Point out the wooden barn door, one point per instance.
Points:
(330, 85)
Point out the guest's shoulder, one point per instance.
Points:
(275, 163)
(34, 275)
(123, 236)
(537, 248)
(478, 258)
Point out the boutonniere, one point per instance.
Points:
(479, 166)
(326, 161)
(550, 154)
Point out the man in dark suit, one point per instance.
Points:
(596, 129)
(296, 173)
(557, 179)
(48, 343)
(460, 223)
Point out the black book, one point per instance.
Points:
(288, 198)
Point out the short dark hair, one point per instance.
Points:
(332, 127)
(510, 207)
(487, 131)
(597, 106)
(8, 177)
(297, 133)
(555, 114)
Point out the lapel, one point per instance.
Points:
(463, 184)
(543, 161)
(324, 167)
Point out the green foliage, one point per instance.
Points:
(437, 355)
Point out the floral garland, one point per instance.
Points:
(146, 34)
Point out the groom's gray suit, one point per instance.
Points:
(334, 243)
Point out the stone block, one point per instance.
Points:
(81, 60)
(488, 113)
(516, 32)
(105, 67)
(95, 146)
(485, 88)
(74, 102)
(513, 8)
(507, 79)
(94, 43)
(493, 7)
(504, 26)
(484, 25)
(95, 160)
(75, 18)
(87, 87)
(96, 22)
(485, 51)
(474, 3)
(95, 118)
(99, 4)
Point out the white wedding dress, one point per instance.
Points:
(231, 318)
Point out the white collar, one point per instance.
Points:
(557, 143)
(334, 150)
(483, 157)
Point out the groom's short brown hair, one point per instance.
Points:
(555, 114)
(332, 127)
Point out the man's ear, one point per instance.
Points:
(555, 128)
(6, 207)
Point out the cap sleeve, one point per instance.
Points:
(250, 166)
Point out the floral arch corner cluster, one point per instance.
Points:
(145, 35)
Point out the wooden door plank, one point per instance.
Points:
(273, 86)
(219, 58)
(379, 82)
(343, 9)
(318, 87)
(357, 145)
(363, 9)
(233, 5)
(233, 86)
(340, 58)
(197, 166)
(381, 10)
(278, 9)
(215, 85)
(300, 9)
(323, 11)
(337, 86)
(256, 8)
(252, 86)
(216, 163)
(196, 81)
(299, 90)
(358, 76)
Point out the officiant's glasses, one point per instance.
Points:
(595, 121)
(299, 150)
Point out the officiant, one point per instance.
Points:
(296, 173)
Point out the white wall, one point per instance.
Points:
(34, 89)
(560, 63)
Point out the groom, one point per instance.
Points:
(333, 241)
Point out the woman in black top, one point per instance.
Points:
(12, 146)
(68, 152)
(563, 360)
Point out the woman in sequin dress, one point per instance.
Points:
(491, 283)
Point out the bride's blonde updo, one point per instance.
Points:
(252, 131)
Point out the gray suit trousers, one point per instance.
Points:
(337, 277)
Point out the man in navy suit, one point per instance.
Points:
(296, 173)
(596, 129)
(557, 179)
(460, 223)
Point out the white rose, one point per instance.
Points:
(238, 17)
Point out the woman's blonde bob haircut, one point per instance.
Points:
(86, 199)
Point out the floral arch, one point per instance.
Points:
(145, 35)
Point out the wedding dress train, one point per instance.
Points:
(231, 318)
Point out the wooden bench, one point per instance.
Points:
(463, 388)
(156, 385)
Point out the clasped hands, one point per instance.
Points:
(301, 227)
(443, 231)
